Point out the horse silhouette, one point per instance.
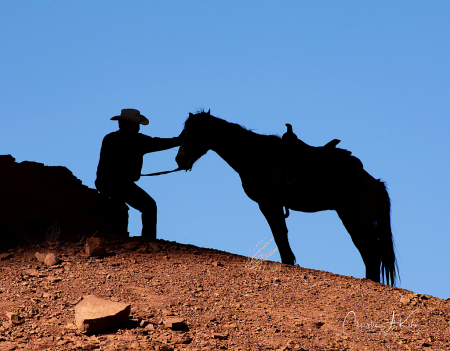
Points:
(285, 172)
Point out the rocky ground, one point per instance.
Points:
(224, 304)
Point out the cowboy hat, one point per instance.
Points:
(130, 114)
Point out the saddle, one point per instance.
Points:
(310, 164)
(294, 145)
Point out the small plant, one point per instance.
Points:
(53, 233)
(257, 259)
(82, 240)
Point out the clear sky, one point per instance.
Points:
(374, 74)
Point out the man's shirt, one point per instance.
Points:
(121, 155)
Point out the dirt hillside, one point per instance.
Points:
(224, 304)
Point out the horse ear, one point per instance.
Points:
(190, 114)
(209, 112)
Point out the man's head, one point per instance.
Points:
(131, 115)
(129, 126)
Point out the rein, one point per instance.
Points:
(165, 172)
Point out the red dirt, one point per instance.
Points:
(224, 304)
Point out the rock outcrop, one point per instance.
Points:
(34, 197)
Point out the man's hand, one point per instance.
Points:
(180, 137)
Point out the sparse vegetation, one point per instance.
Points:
(81, 238)
(257, 259)
(53, 233)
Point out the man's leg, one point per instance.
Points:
(143, 202)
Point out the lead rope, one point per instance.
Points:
(165, 172)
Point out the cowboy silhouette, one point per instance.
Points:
(120, 165)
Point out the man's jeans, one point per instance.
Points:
(136, 198)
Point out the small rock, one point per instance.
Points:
(164, 348)
(70, 326)
(217, 264)
(7, 325)
(314, 325)
(40, 257)
(95, 247)
(149, 326)
(175, 323)
(183, 339)
(143, 249)
(13, 317)
(50, 260)
(405, 300)
(94, 315)
(154, 246)
(130, 246)
(220, 336)
(5, 256)
(167, 312)
(31, 272)
(135, 345)
(54, 279)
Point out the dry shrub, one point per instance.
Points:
(257, 259)
(53, 233)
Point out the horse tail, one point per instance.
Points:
(389, 267)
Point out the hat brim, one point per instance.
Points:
(137, 119)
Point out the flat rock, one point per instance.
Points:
(94, 315)
(174, 323)
(31, 272)
(220, 336)
(54, 279)
(95, 247)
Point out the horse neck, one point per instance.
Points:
(230, 144)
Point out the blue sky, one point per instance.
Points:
(375, 75)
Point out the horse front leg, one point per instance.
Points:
(275, 217)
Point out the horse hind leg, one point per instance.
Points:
(275, 217)
(362, 230)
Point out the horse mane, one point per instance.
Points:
(202, 118)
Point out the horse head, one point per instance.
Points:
(195, 142)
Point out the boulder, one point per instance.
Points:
(35, 197)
